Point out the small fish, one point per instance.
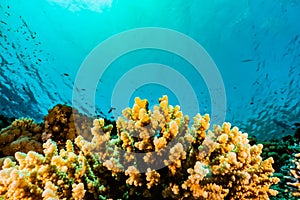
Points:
(246, 60)
(65, 74)
(111, 109)
(3, 22)
(3, 61)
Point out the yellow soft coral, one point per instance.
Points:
(43, 175)
(179, 162)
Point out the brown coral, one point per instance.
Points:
(60, 125)
(25, 135)
(22, 135)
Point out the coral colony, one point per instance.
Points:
(147, 154)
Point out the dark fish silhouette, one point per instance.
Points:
(3, 22)
(246, 60)
(111, 109)
(3, 61)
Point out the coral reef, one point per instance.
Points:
(22, 135)
(282, 150)
(48, 176)
(59, 125)
(25, 135)
(293, 181)
(155, 154)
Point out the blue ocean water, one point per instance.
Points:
(255, 46)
